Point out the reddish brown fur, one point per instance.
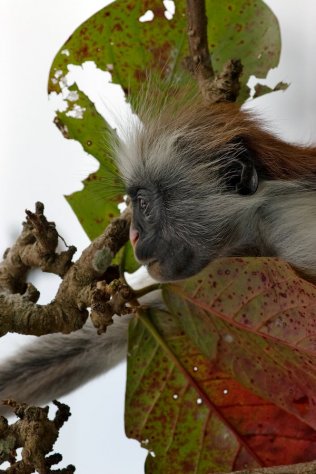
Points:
(217, 125)
(275, 158)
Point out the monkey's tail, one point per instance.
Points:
(57, 364)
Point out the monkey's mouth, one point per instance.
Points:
(147, 262)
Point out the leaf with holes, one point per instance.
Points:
(263, 317)
(97, 203)
(246, 30)
(117, 42)
(192, 416)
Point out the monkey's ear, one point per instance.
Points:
(241, 174)
(248, 181)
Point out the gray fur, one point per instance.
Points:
(56, 364)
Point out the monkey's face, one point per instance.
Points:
(181, 218)
(159, 238)
(184, 217)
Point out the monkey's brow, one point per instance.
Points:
(132, 190)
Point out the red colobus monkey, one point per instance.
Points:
(204, 182)
(207, 182)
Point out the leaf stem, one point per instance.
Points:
(147, 289)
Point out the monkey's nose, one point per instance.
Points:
(133, 236)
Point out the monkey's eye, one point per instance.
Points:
(143, 205)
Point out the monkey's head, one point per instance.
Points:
(188, 175)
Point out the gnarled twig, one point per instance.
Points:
(36, 247)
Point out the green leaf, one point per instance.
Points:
(117, 42)
(246, 30)
(262, 89)
(97, 203)
(94, 213)
(128, 261)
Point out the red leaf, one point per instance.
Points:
(185, 409)
(257, 320)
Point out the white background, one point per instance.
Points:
(37, 163)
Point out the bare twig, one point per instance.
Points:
(223, 87)
(197, 34)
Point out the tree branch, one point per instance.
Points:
(36, 434)
(36, 247)
(223, 87)
(197, 34)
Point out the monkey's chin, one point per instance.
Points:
(163, 274)
(177, 269)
